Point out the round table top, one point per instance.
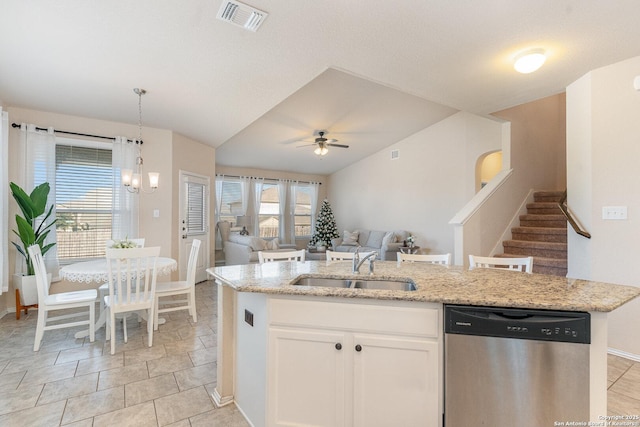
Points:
(96, 270)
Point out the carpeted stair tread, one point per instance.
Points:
(548, 196)
(543, 265)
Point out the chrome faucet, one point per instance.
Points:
(357, 262)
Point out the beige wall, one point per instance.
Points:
(538, 142)
(158, 152)
(603, 134)
(423, 189)
(194, 157)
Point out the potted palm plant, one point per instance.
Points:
(31, 230)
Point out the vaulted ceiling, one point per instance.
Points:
(369, 72)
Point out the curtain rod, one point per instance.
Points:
(15, 125)
(268, 179)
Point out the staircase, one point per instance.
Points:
(542, 234)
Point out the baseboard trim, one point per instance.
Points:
(626, 355)
(219, 400)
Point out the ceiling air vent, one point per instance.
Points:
(242, 15)
(395, 154)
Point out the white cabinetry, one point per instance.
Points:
(345, 363)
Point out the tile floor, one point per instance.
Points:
(76, 383)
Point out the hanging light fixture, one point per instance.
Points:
(321, 149)
(133, 180)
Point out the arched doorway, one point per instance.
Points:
(487, 166)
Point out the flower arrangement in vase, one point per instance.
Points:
(411, 241)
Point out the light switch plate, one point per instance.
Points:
(614, 212)
(156, 213)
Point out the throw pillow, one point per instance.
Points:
(390, 237)
(273, 244)
(350, 238)
(258, 244)
(375, 239)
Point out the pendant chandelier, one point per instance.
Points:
(132, 180)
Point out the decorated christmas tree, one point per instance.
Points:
(325, 227)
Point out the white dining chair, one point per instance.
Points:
(61, 301)
(183, 287)
(343, 256)
(524, 264)
(443, 259)
(103, 290)
(132, 285)
(265, 256)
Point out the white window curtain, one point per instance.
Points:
(219, 182)
(245, 185)
(124, 223)
(293, 196)
(282, 190)
(257, 200)
(38, 150)
(314, 204)
(4, 201)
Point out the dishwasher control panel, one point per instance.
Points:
(543, 325)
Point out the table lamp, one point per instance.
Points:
(243, 221)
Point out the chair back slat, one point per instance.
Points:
(40, 269)
(444, 259)
(132, 274)
(524, 264)
(193, 262)
(344, 256)
(265, 256)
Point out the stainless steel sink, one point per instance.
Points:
(391, 285)
(324, 282)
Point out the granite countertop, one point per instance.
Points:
(435, 283)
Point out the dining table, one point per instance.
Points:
(96, 271)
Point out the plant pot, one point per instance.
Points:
(28, 288)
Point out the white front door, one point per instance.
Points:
(194, 222)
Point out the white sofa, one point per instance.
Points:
(386, 243)
(239, 249)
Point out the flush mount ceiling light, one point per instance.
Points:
(529, 60)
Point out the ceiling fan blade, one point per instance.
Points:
(338, 145)
(306, 145)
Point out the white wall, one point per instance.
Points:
(422, 190)
(603, 151)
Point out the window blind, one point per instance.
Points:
(83, 201)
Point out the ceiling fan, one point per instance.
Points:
(323, 144)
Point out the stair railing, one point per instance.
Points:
(562, 204)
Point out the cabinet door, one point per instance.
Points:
(306, 377)
(396, 381)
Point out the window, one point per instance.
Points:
(231, 205)
(302, 215)
(83, 193)
(269, 214)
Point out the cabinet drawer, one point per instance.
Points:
(389, 317)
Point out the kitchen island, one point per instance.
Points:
(270, 330)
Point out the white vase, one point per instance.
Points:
(28, 288)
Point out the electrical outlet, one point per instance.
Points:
(248, 317)
(614, 212)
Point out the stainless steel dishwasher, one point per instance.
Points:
(511, 367)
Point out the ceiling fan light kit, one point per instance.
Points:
(323, 144)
